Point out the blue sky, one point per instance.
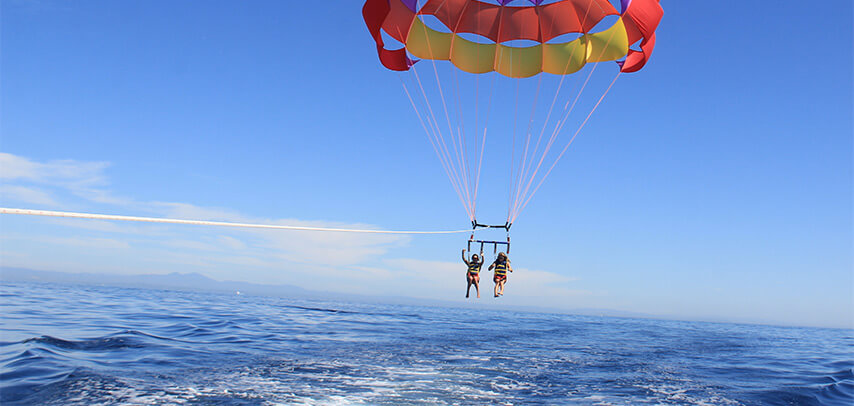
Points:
(715, 184)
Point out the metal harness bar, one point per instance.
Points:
(475, 225)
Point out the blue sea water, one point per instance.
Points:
(88, 345)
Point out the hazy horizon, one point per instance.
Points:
(179, 282)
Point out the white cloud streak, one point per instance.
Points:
(85, 180)
(27, 195)
(69, 173)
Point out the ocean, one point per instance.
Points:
(99, 345)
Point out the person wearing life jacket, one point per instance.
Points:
(501, 265)
(473, 272)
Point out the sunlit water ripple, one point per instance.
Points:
(69, 344)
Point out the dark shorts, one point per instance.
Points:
(499, 278)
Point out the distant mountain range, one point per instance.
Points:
(199, 282)
(175, 280)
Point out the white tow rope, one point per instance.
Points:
(92, 216)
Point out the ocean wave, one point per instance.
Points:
(158, 347)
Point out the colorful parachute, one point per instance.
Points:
(479, 37)
(501, 23)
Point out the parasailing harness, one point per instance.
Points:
(475, 225)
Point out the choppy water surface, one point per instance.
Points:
(66, 344)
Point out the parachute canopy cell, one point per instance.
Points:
(500, 23)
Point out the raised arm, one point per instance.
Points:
(464, 257)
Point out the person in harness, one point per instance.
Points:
(473, 272)
(501, 265)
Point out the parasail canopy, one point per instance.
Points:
(516, 39)
(501, 23)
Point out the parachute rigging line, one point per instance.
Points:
(460, 172)
(432, 142)
(485, 122)
(483, 142)
(533, 111)
(444, 156)
(511, 216)
(448, 119)
(92, 216)
(512, 160)
(568, 144)
(524, 201)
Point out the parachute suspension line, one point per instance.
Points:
(445, 155)
(476, 117)
(517, 184)
(476, 133)
(459, 146)
(437, 140)
(569, 143)
(519, 175)
(450, 127)
(479, 165)
(551, 109)
(433, 142)
(552, 138)
(485, 125)
(457, 180)
(515, 121)
(513, 148)
(92, 216)
(463, 134)
(513, 144)
(534, 106)
(461, 128)
(527, 198)
(520, 192)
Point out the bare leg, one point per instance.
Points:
(496, 289)
(477, 285)
(468, 285)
